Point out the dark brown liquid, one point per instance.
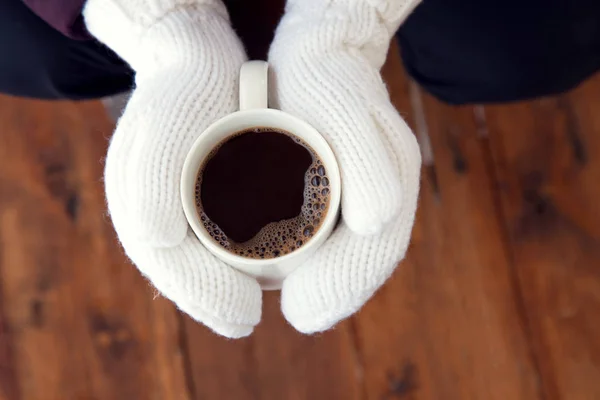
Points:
(262, 193)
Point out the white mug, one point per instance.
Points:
(253, 113)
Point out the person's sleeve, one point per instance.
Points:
(63, 15)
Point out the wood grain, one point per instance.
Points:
(547, 158)
(447, 325)
(81, 321)
(276, 362)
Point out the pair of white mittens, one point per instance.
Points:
(326, 58)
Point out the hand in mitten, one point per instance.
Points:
(325, 61)
(187, 60)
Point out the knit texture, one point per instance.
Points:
(325, 62)
(187, 60)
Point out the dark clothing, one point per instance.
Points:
(462, 51)
(475, 51)
(62, 15)
(38, 61)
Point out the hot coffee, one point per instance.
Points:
(262, 193)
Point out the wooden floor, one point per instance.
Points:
(499, 297)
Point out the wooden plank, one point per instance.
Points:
(9, 385)
(547, 158)
(276, 362)
(447, 325)
(83, 322)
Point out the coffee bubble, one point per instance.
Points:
(308, 231)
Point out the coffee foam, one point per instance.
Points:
(283, 237)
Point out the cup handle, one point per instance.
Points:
(254, 85)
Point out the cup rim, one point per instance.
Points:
(198, 154)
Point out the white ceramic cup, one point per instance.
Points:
(254, 113)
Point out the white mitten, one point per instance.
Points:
(187, 59)
(325, 59)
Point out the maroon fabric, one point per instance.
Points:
(63, 15)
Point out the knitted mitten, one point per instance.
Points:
(187, 59)
(325, 60)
